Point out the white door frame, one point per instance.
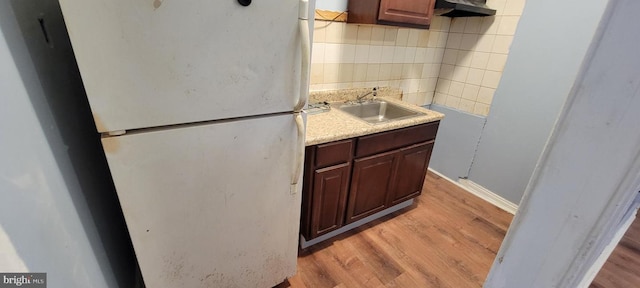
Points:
(589, 173)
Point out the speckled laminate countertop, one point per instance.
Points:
(337, 125)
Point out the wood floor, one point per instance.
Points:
(448, 238)
(622, 269)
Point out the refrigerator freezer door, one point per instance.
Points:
(210, 205)
(156, 63)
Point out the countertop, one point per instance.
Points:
(337, 125)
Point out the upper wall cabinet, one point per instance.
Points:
(410, 13)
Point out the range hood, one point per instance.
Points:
(463, 8)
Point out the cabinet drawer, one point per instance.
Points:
(385, 141)
(334, 153)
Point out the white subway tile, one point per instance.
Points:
(335, 32)
(456, 88)
(491, 79)
(468, 41)
(362, 54)
(446, 71)
(387, 54)
(350, 34)
(464, 58)
(473, 25)
(319, 32)
(409, 55)
(457, 25)
(317, 74)
(390, 35)
(375, 54)
(466, 105)
(372, 72)
(485, 95)
(496, 62)
(460, 74)
(332, 53)
(414, 36)
(479, 60)
(423, 38)
(508, 25)
(403, 37)
(359, 72)
(475, 76)
(452, 101)
(430, 54)
(443, 86)
(481, 109)
(450, 56)
(317, 54)
(454, 40)
(485, 43)
(440, 98)
(385, 72)
(470, 92)
(501, 44)
(514, 7)
(331, 73)
(398, 54)
(420, 55)
(433, 39)
(364, 35)
(348, 53)
(490, 25)
(442, 40)
(377, 35)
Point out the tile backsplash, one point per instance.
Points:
(356, 56)
(474, 58)
(456, 63)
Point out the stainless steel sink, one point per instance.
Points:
(378, 111)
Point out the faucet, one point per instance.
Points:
(374, 92)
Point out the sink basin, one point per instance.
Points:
(378, 111)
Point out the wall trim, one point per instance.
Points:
(481, 192)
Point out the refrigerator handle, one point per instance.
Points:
(305, 46)
(299, 153)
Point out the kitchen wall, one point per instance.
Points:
(60, 213)
(356, 56)
(545, 58)
(474, 58)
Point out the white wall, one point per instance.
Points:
(589, 173)
(56, 214)
(549, 46)
(332, 5)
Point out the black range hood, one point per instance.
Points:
(463, 8)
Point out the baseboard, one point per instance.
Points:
(483, 193)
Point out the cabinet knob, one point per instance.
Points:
(244, 2)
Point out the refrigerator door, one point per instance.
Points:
(211, 205)
(155, 63)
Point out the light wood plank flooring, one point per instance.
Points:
(448, 238)
(622, 269)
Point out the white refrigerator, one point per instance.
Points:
(199, 104)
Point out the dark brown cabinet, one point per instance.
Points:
(346, 181)
(371, 182)
(411, 168)
(411, 13)
(329, 197)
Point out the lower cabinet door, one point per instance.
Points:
(411, 168)
(329, 198)
(371, 180)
